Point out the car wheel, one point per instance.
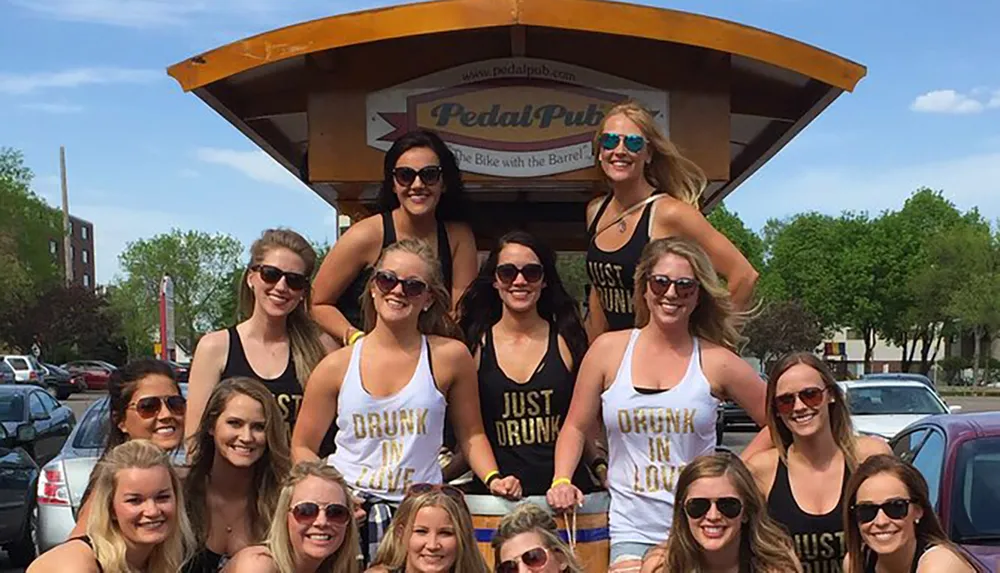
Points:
(23, 552)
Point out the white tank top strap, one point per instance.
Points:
(624, 373)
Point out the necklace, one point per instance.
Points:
(622, 227)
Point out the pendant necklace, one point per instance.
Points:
(622, 227)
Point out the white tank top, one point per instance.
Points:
(651, 437)
(384, 445)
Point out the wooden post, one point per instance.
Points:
(67, 248)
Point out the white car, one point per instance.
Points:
(884, 407)
(27, 370)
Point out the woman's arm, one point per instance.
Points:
(595, 322)
(737, 380)
(254, 559)
(464, 266)
(66, 559)
(343, 263)
(206, 370)
(675, 217)
(319, 405)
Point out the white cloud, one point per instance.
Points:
(951, 101)
(54, 108)
(995, 100)
(256, 165)
(18, 84)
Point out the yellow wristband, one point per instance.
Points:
(489, 475)
(561, 481)
(354, 337)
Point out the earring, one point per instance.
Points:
(917, 521)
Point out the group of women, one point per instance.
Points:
(315, 427)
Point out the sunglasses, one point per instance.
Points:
(149, 406)
(893, 509)
(811, 397)
(448, 490)
(633, 143)
(697, 507)
(271, 275)
(385, 281)
(507, 272)
(660, 284)
(308, 511)
(405, 176)
(535, 558)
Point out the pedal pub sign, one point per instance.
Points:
(508, 117)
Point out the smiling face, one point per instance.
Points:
(165, 428)
(714, 531)
(672, 308)
(240, 431)
(531, 543)
(400, 304)
(519, 295)
(418, 197)
(884, 534)
(318, 538)
(803, 420)
(276, 299)
(433, 543)
(619, 164)
(144, 506)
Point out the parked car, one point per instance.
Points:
(959, 456)
(7, 375)
(24, 405)
(95, 372)
(18, 479)
(901, 376)
(181, 371)
(61, 383)
(26, 368)
(884, 407)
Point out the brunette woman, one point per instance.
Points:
(654, 193)
(657, 389)
(278, 343)
(890, 524)
(144, 403)
(431, 533)
(388, 392)
(239, 457)
(136, 522)
(527, 540)
(420, 198)
(804, 476)
(312, 531)
(721, 524)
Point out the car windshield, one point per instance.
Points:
(11, 407)
(976, 493)
(93, 430)
(880, 400)
(19, 364)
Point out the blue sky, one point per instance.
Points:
(144, 157)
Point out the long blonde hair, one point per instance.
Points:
(268, 471)
(840, 415)
(715, 318)
(303, 335)
(764, 544)
(392, 550)
(529, 518)
(668, 171)
(436, 319)
(102, 526)
(279, 543)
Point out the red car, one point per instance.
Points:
(959, 456)
(95, 372)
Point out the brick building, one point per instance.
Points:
(81, 241)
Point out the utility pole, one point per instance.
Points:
(67, 248)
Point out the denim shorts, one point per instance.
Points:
(625, 550)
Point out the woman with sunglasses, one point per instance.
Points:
(721, 524)
(527, 541)
(420, 198)
(277, 344)
(312, 531)
(388, 392)
(144, 403)
(657, 389)
(239, 457)
(431, 533)
(804, 475)
(890, 524)
(524, 330)
(654, 193)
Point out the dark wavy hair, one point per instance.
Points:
(122, 385)
(451, 205)
(480, 307)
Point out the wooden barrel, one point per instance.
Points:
(592, 539)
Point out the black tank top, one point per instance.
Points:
(871, 558)
(612, 273)
(90, 544)
(819, 539)
(522, 421)
(349, 302)
(205, 561)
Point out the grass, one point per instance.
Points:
(967, 391)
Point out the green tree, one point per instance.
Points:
(572, 268)
(201, 266)
(730, 225)
(782, 327)
(73, 323)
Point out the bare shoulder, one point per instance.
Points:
(254, 559)
(459, 232)
(722, 363)
(869, 446)
(333, 367)
(670, 211)
(448, 349)
(942, 559)
(592, 207)
(764, 465)
(377, 569)
(610, 346)
(70, 557)
(364, 234)
(213, 344)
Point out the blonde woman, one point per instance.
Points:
(312, 532)
(890, 524)
(804, 476)
(239, 457)
(136, 522)
(431, 533)
(654, 193)
(528, 537)
(657, 388)
(721, 524)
